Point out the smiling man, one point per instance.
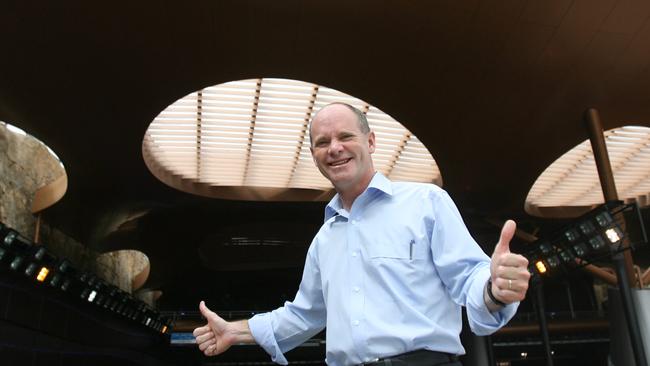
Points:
(341, 148)
(388, 271)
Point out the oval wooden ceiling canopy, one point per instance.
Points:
(249, 140)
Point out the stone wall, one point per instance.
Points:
(25, 166)
(120, 267)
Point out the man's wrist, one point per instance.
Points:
(241, 332)
(491, 302)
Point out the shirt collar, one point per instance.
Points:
(378, 183)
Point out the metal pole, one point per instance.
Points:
(541, 316)
(490, 351)
(569, 296)
(607, 183)
(622, 261)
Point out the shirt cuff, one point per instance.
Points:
(484, 321)
(262, 331)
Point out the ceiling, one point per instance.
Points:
(495, 90)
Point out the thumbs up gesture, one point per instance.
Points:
(218, 335)
(509, 271)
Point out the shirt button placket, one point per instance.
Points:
(356, 277)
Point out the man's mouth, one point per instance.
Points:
(339, 162)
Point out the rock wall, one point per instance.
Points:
(121, 267)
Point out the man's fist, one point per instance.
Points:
(509, 271)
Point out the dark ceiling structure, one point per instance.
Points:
(495, 89)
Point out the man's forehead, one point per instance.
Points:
(334, 111)
(331, 114)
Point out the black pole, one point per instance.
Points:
(541, 317)
(490, 351)
(622, 261)
(629, 310)
(569, 296)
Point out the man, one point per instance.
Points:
(387, 272)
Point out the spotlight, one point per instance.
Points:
(604, 219)
(17, 262)
(100, 299)
(613, 235)
(85, 294)
(546, 248)
(65, 286)
(31, 269)
(92, 295)
(597, 243)
(580, 249)
(42, 274)
(567, 257)
(572, 235)
(3, 253)
(56, 280)
(553, 262)
(64, 266)
(13, 239)
(586, 227)
(40, 254)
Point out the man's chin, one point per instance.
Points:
(339, 181)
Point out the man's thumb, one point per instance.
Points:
(507, 232)
(204, 310)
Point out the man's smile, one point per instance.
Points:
(340, 162)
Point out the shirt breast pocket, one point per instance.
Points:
(399, 246)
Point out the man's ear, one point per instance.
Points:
(371, 142)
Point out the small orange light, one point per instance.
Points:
(42, 274)
(164, 329)
(540, 266)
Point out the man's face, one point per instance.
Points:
(340, 150)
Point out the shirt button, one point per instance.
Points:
(354, 222)
(356, 322)
(354, 254)
(356, 289)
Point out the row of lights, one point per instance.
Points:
(594, 236)
(20, 255)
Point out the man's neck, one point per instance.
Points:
(349, 195)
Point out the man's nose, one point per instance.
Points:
(335, 147)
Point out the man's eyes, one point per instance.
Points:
(323, 143)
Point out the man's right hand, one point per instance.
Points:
(218, 335)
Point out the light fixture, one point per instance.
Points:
(3, 253)
(42, 274)
(613, 235)
(35, 262)
(17, 262)
(594, 236)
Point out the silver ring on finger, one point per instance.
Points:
(509, 284)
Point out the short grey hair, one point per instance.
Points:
(362, 120)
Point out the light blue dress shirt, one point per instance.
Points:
(388, 277)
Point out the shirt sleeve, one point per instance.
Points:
(463, 267)
(292, 324)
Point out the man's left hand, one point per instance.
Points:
(509, 271)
